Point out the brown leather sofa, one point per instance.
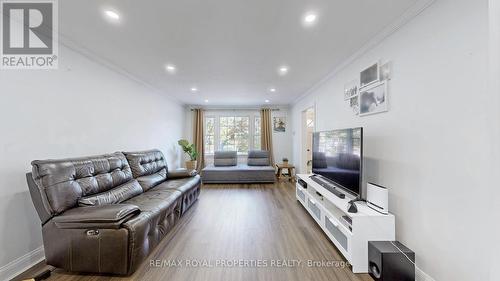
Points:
(106, 213)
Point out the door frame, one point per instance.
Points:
(494, 88)
(303, 155)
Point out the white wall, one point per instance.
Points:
(81, 109)
(494, 20)
(282, 144)
(433, 149)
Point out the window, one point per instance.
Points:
(232, 133)
(209, 135)
(256, 133)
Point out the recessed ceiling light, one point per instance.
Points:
(171, 68)
(206, 101)
(272, 90)
(112, 15)
(267, 101)
(310, 18)
(283, 70)
(194, 89)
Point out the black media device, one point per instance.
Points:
(302, 183)
(320, 195)
(338, 158)
(390, 261)
(347, 219)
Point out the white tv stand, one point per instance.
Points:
(351, 240)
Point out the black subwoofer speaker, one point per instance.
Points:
(387, 263)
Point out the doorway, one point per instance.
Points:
(308, 123)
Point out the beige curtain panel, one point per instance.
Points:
(199, 136)
(267, 132)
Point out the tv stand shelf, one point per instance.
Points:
(350, 239)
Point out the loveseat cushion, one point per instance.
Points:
(181, 184)
(189, 186)
(62, 182)
(155, 200)
(108, 216)
(225, 158)
(181, 173)
(160, 210)
(148, 167)
(113, 196)
(258, 158)
(241, 173)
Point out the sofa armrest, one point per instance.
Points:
(181, 173)
(104, 216)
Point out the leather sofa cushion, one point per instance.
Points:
(148, 167)
(181, 184)
(181, 173)
(113, 196)
(155, 200)
(108, 216)
(144, 163)
(160, 210)
(258, 158)
(62, 182)
(149, 181)
(225, 158)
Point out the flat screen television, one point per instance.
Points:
(338, 157)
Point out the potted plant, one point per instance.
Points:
(285, 161)
(190, 150)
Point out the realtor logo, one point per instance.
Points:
(29, 34)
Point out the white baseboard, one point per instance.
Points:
(21, 264)
(422, 276)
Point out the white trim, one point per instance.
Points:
(494, 88)
(410, 14)
(94, 57)
(420, 275)
(21, 264)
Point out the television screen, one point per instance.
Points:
(337, 156)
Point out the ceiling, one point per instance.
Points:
(230, 50)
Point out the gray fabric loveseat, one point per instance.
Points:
(227, 170)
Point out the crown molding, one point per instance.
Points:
(236, 108)
(94, 57)
(392, 28)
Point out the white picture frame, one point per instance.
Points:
(374, 99)
(279, 124)
(369, 75)
(385, 71)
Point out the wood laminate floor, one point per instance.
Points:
(258, 223)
